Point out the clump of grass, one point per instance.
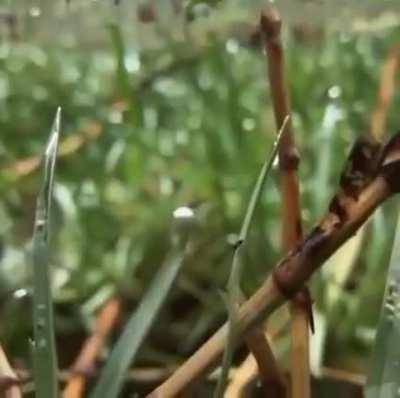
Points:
(45, 353)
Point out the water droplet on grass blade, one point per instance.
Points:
(35, 11)
(20, 293)
(183, 212)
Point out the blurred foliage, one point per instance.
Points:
(188, 123)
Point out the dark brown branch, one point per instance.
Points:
(297, 267)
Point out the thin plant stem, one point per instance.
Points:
(236, 272)
(235, 295)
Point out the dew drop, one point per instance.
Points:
(42, 344)
(183, 212)
(334, 92)
(20, 293)
(35, 11)
(232, 46)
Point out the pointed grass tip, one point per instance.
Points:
(52, 143)
(57, 121)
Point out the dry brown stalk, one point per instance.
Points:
(270, 375)
(242, 377)
(291, 213)
(248, 370)
(85, 362)
(385, 93)
(9, 387)
(300, 380)
(349, 209)
(288, 155)
(272, 378)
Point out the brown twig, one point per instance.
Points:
(385, 93)
(300, 380)
(249, 369)
(291, 214)
(272, 378)
(9, 387)
(242, 377)
(85, 363)
(349, 209)
(288, 155)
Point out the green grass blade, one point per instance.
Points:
(234, 290)
(45, 355)
(126, 348)
(384, 373)
(124, 84)
(254, 199)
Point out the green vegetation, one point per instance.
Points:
(185, 123)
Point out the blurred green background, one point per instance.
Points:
(167, 106)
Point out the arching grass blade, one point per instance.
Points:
(234, 291)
